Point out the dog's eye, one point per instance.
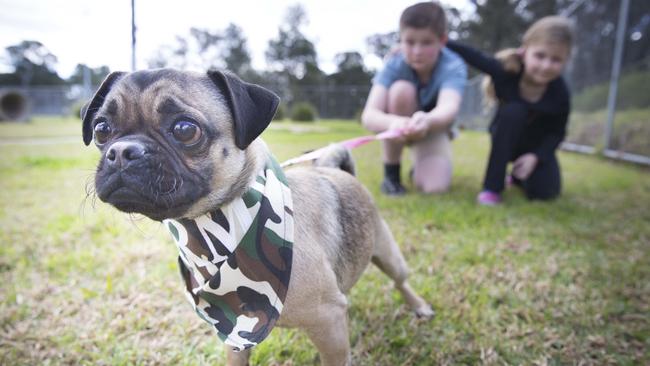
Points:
(186, 132)
(102, 132)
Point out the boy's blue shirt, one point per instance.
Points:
(450, 72)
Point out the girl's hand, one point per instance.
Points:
(417, 126)
(524, 166)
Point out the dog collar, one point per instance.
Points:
(236, 261)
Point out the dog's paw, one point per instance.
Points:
(425, 312)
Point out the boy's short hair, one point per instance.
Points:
(425, 15)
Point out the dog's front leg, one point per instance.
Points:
(237, 358)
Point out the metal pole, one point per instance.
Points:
(132, 35)
(616, 70)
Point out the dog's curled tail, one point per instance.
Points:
(336, 156)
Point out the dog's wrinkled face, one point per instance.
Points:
(171, 141)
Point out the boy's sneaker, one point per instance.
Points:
(488, 198)
(392, 188)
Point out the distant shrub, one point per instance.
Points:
(75, 109)
(303, 112)
(357, 115)
(632, 93)
(280, 113)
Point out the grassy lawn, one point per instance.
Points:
(630, 133)
(566, 282)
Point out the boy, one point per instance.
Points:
(419, 90)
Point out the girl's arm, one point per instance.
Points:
(553, 139)
(557, 121)
(477, 59)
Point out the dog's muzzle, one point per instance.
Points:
(137, 177)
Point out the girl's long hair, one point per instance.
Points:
(550, 29)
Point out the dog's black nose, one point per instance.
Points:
(122, 153)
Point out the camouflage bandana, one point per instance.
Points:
(236, 260)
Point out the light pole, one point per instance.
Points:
(132, 35)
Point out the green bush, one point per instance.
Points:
(75, 109)
(303, 112)
(632, 93)
(592, 98)
(358, 114)
(280, 113)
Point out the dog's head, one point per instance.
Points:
(175, 144)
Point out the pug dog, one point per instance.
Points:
(184, 148)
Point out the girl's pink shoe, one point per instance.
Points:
(488, 198)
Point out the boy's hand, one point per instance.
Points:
(524, 166)
(417, 126)
(399, 123)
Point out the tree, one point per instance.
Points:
(235, 52)
(204, 49)
(496, 24)
(291, 53)
(350, 70)
(596, 23)
(33, 64)
(207, 47)
(198, 51)
(96, 74)
(381, 43)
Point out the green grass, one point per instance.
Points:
(631, 130)
(566, 282)
(39, 127)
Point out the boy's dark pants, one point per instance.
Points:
(508, 143)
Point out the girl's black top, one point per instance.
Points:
(547, 118)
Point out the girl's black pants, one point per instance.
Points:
(509, 141)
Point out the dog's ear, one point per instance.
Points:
(89, 109)
(252, 106)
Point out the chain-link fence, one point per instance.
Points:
(329, 101)
(610, 78)
(19, 103)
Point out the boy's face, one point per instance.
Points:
(543, 62)
(421, 48)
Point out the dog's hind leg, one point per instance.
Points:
(389, 259)
(329, 332)
(237, 358)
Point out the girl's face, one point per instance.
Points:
(544, 62)
(421, 48)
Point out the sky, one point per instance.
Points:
(98, 32)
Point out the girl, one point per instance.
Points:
(532, 109)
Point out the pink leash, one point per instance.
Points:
(350, 144)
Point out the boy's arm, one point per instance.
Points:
(447, 107)
(447, 103)
(477, 59)
(436, 120)
(374, 116)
